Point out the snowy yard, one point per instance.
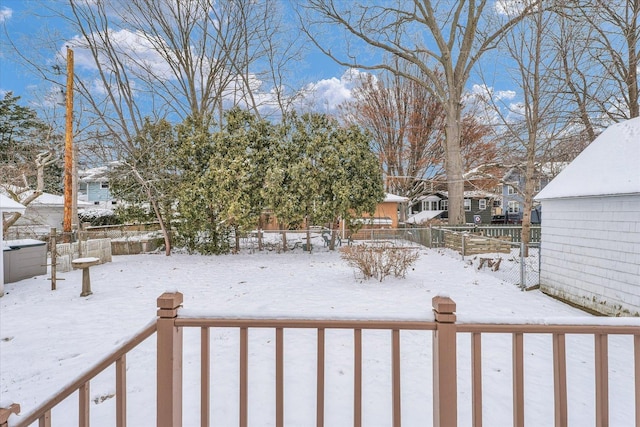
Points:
(47, 337)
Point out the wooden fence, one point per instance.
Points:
(444, 329)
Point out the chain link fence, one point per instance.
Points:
(494, 250)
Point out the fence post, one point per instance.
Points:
(463, 245)
(445, 392)
(169, 374)
(523, 270)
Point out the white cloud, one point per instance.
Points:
(509, 7)
(135, 49)
(5, 14)
(325, 95)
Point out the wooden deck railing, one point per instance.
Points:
(445, 330)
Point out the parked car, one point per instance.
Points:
(536, 217)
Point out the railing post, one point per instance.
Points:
(5, 413)
(445, 392)
(169, 375)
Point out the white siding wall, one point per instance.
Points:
(591, 252)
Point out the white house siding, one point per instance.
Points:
(591, 252)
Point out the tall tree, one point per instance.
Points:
(170, 59)
(452, 36)
(530, 129)
(238, 167)
(146, 173)
(341, 176)
(599, 42)
(27, 153)
(407, 124)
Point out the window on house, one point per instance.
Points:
(444, 205)
(467, 204)
(497, 203)
(538, 187)
(482, 204)
(104, 185)
(510, 189)
(514, 206)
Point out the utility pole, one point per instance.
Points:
(68, 151)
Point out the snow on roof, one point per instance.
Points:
(98, 174)
(48, 199)
(9, 205)
(394, 198)
(423, 216)
(472, 194)
(609, 165)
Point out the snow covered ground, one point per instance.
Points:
(47, 336)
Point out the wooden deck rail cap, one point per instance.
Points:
(5, 413)
(168, 304)
(444, 309)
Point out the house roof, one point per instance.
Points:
(394, 198)
(423, 216)
(472, 194)
(10, 205)
(98, 174)
(53, 200)
(608, 166)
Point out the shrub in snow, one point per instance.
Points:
(379, 261)
(97, 216)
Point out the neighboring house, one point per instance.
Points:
(477, 206)
(590, 253)
(386, 215)
(512, 202)
(42, 214)
(93, 187)
(487, 177)
(387, 212)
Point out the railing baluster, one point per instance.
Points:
(279, 377)
(602, 380)
(121, 391)
(83, 405)
(357, 378)
(320, 380)
(244, 376)
(636, 358)
(476, 379)
(397, 409)
(205, 375)
(560, 380)
(518, 380)
(45, 420)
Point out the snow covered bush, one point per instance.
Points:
(380, 261)
(98, 216)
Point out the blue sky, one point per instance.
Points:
(24, 19)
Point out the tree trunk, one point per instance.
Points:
(163, 227)
(453, 159)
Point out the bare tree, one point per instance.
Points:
(407, 127)
(27, 153)
(459, 34)
(530, 129)
(169, 59)
(407, 123)
(600, 45)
